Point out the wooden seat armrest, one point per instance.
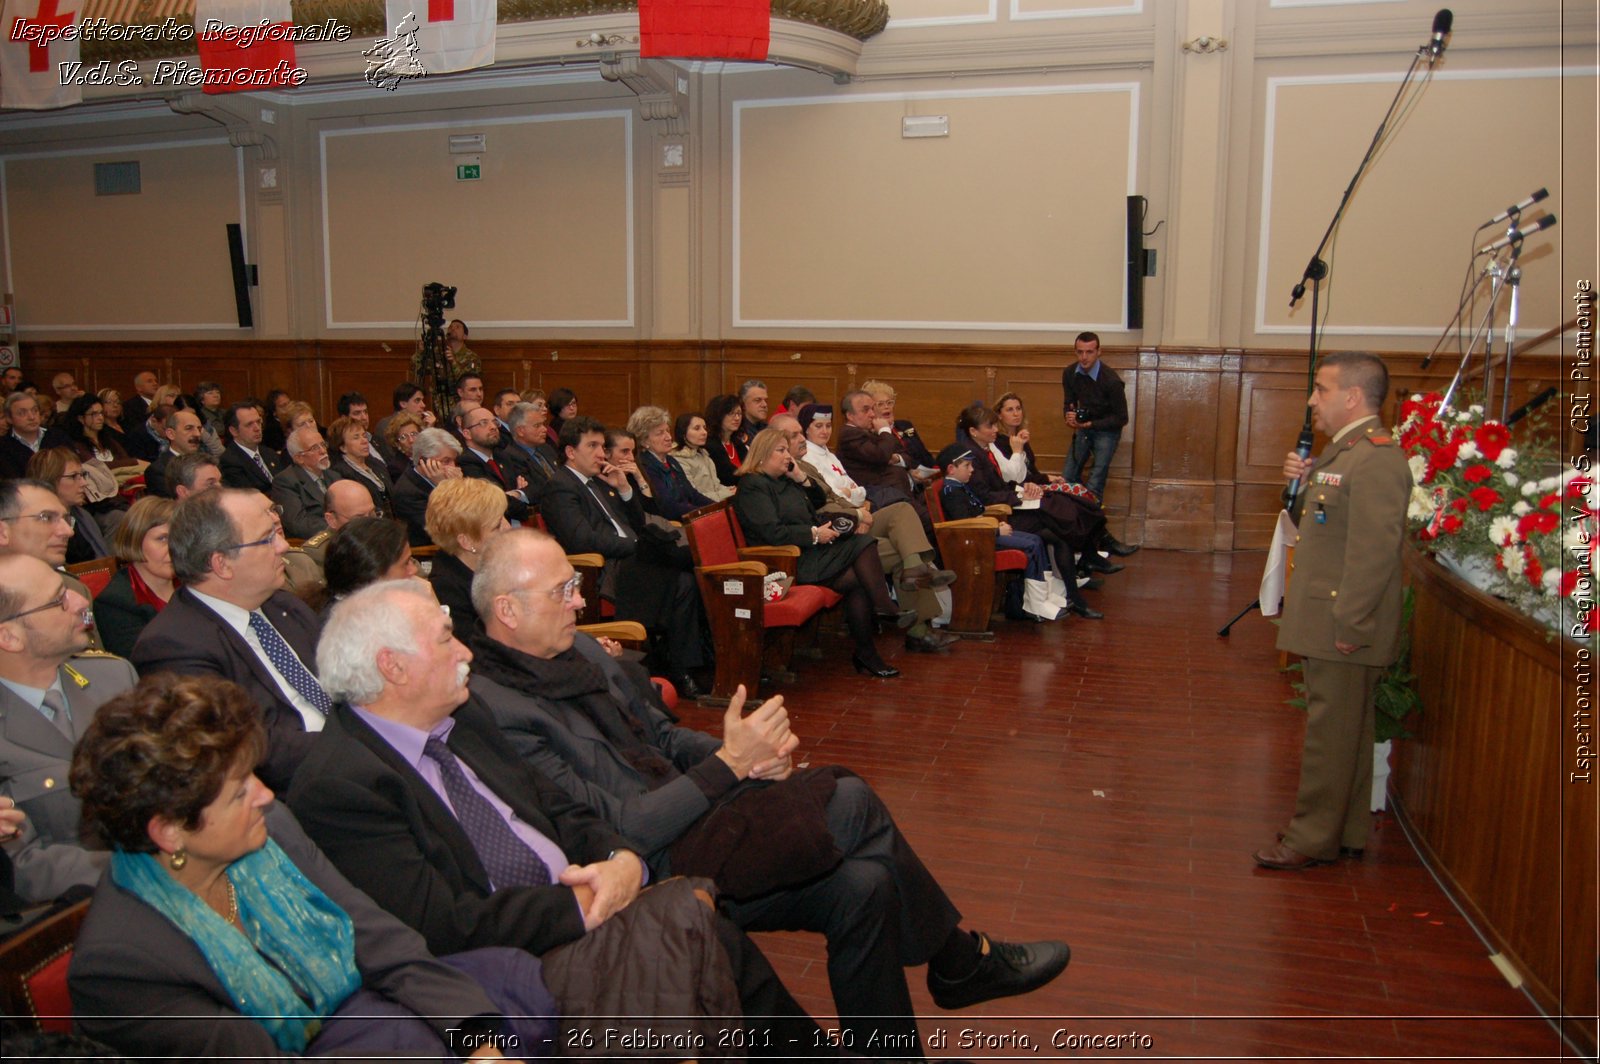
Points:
(998, 509)
(785, 558)
(586, 561)
(621, 631)
(734, 569)
(967, 522)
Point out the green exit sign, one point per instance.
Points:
(469, 172)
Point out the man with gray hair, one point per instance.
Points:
(411, 792)
(434, 456)
(753, 400)
(189, 474)
(808, 850)
(529, 454)
(302, 489)
(232, 618)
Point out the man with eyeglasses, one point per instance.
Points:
(182, 431)
(51, 684)
(529, 454)
(305, 564)
(246, 462)
(28, 436)
(814, 850)
(479, 460)
(35, 522)
(302, 489)
(232, 618)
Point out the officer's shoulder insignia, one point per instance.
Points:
(95, 654)
(319, 539)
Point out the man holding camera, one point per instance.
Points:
(1095, 405)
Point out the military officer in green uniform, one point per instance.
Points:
(1342, 609)
(345, 501)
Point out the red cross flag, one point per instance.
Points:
(451, 34)
(705, 29)
(245, 45)
(38, 52)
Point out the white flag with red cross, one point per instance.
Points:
(451, 34)
(36, 38)
(246, 35)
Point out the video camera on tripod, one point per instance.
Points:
(432, 360)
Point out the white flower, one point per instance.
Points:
(1507, 460)
(1512, 557)
(1551, 581)
(1468, 452)
(1549, 484)
(1476, 408)
(1419, 468)
(1416, 397)
(1531, 488)
(1520, 508)
(1501, 530)
(1421, 506)
(1464, 416)
(1511, 479)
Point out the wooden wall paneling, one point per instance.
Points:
(1483, 788)
(1181, 496)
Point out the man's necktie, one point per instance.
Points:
(288, 664)
(494, 467)
(261, 465)
(507, 859)
(55, 708)
(600, 497)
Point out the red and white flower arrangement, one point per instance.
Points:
(1528, 521)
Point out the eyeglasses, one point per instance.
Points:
(75, 476)
(59, 602)
(272, 537)
(562, 593)
(406, 437)
(46, 517)
(314, 448)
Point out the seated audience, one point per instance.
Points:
(1040, 595)
(147, 438)
(501, 404)
(675, 496)
(296, 416)
(303, 574)
(728, 444)
(433, 460)
(480, 435)
(916, 451)
(136, 407)
(50, 687)
(355, 461)
(579, 721)
(220, 930)
(399, 436)
(589, 508)
(690, 434)
(116, 434)
(247, 462)
(469, 387)
(275, 406)
(463, 516)
(144, 581)
(753, 404)
(190, 474)
(563, 403)
(232, 618)
(874, 456)
(412, 793)
(181, 432)
(529, 454)
(775, 509)
(795, 398)
(301, 490)
(208, 404)
(353, 405)
(59, 467)
(365, 551)
(903, 547)
(101, 455)
(28, 435)
(409, 398)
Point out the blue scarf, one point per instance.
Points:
(291, 923)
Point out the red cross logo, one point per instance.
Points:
(440, 10)
(38, 52)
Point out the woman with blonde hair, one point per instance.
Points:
(400, 434)
(463, 515)
(144, 581)
(675, 494)
(350, 445)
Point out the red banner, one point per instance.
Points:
(705, 29)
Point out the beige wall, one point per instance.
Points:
(798, 211)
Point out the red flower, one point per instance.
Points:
(1530, 565)
(1485, 497)
(1542, 521)
(1569, 580)
(1460, 505)
(1549, 500)
(1592, 622)
(1450, 525)
(1491, 439)
(1443, 457)
(1476, 474)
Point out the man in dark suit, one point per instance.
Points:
(28, 436)
(1343, 607)
(411, 793)
(182, 431)
(232, 619)
(246, 462)
(433, 458)
(578, 720)
(479, 460)
(136, 407)
(50, 686)
(529, 452)
(590, 508)
(302, 489)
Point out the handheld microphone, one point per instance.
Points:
(1516, 235)
(1516, 208)
(1302, 447)
(1441, 29)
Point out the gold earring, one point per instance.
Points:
(178, 859)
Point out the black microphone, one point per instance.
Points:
(1302, 447)
(1441, 29)
(1516, 208)
(1516, 235)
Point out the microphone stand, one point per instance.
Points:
(1317, 271)
(1500, 274)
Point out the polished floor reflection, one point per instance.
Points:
(1106, 782)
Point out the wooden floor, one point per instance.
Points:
(1105, 783)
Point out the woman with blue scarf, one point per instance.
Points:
(220, 930)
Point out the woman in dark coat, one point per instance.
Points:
(777, 505)
(724, 416)
(143, 582)
(675, 496)
(463, 514)
(353, 459)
